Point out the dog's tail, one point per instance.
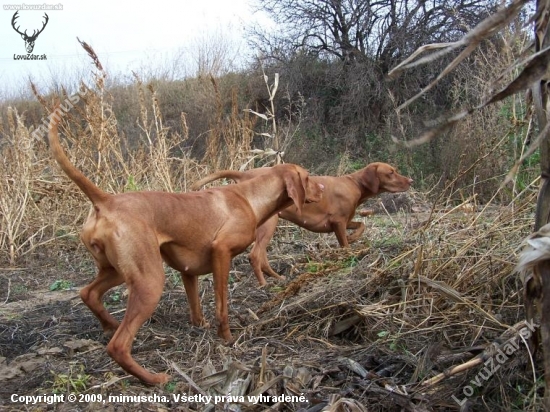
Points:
(227, 174)
(94, 193)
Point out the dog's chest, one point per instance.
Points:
(186, 260)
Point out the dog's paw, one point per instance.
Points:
(200, 322)
(155, 378)
(162, 378)
(225, 334)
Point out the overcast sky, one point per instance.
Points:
(129, 36)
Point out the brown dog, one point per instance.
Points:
(334, 213)
(130, 234)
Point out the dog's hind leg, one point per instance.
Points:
(137, 259)
(91, 295)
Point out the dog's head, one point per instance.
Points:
(382, 177)
(299, 187)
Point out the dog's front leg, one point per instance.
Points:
(258, 254)
(358, 229)
(191, 284)
(221, 263)
(339, 229)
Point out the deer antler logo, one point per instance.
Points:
(29, 40)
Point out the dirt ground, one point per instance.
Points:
(321, 338)
(51, 343)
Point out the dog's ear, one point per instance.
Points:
(296, 185)
(370, 178)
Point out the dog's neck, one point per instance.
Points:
(359, 180)
(265, 206)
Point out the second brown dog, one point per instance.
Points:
(334, 213)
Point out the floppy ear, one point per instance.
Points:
(370, 179)
(296, 189)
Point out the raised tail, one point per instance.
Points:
(94, 193)
(227, 174)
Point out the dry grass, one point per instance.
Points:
(230, 137)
